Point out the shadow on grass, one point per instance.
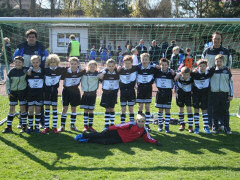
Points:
(63, 144)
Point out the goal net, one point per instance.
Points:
(117, 35)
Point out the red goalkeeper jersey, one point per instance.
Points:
(130, 132)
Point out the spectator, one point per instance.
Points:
(74, 47)
(93, 54)
(164, 47)
(155, 52)
(119, 49)
(169, 51)
(2, 58)
(128, 50)
(141, 48)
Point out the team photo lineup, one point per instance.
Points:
(202, 89)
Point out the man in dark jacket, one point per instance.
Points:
(141, 48)
(168, 53)
(31, 47)
(155, 52)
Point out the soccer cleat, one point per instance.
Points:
(24, 129)
(45, 131)
(167, 129)
(160, 128)
(214, 130)
(190, 129)
(83, 140)
(19, 126)
(55, 130)
(41, 126)
(222, 128)
(85, 128)
(182, 127)
(91, 129)
(79, 136)
(73, 128)
(105, 129)
(148, 128)
(206, 130)
(227, 130)
(36, 130)
(7, 130)
(30, 130)
(61, 129)
(196, 131)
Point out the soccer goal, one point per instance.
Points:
(120, 34)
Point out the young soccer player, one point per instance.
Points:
(201, 80)
(183, 97)
(110, 86)
(71, 93)
(16, 89)
(89, 85)
(164, 79)
(35, 81)
(175, 58)
(145, 79)
(122, 133)
(52, 77)
(222, 93)
(127, 83)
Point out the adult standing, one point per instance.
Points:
(169, 51)
(31, 47)
(141, 48)
(74, 47)
(155, 52)
(210, 53)
(2, 58)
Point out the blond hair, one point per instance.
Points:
(6, 40)
(145, 55)
(35, 57)
(141, 116)
(52, 58)
(92, 62)
(176, 48)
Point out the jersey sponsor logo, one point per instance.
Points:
(68, 82)
(52, 80)
(201, 84)
(110, 84)
(35, 83)
(142, 78)
(164, 83)
(128, 78)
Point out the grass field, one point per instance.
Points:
(182, 156)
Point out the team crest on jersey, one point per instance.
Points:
(220, 52)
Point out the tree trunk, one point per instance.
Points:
(52, 8)
(33, 8)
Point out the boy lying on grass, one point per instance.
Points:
(122, 133)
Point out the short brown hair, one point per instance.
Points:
(111, 61)
(31, 31)
(164, 60)
(219, 56)
(128, 58)
(185, 70)
(19, 58)
(217, 32)
(72, 36)
(202, 61)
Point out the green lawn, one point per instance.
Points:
(183, 155)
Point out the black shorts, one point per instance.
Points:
(144, 94)
(109, 99)
(18, 96)
(127, 97)
(35, 99)
(200, 99)
(50, 96)
(183, 98)
(88, 100)
(164, 99)
(71, 96)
